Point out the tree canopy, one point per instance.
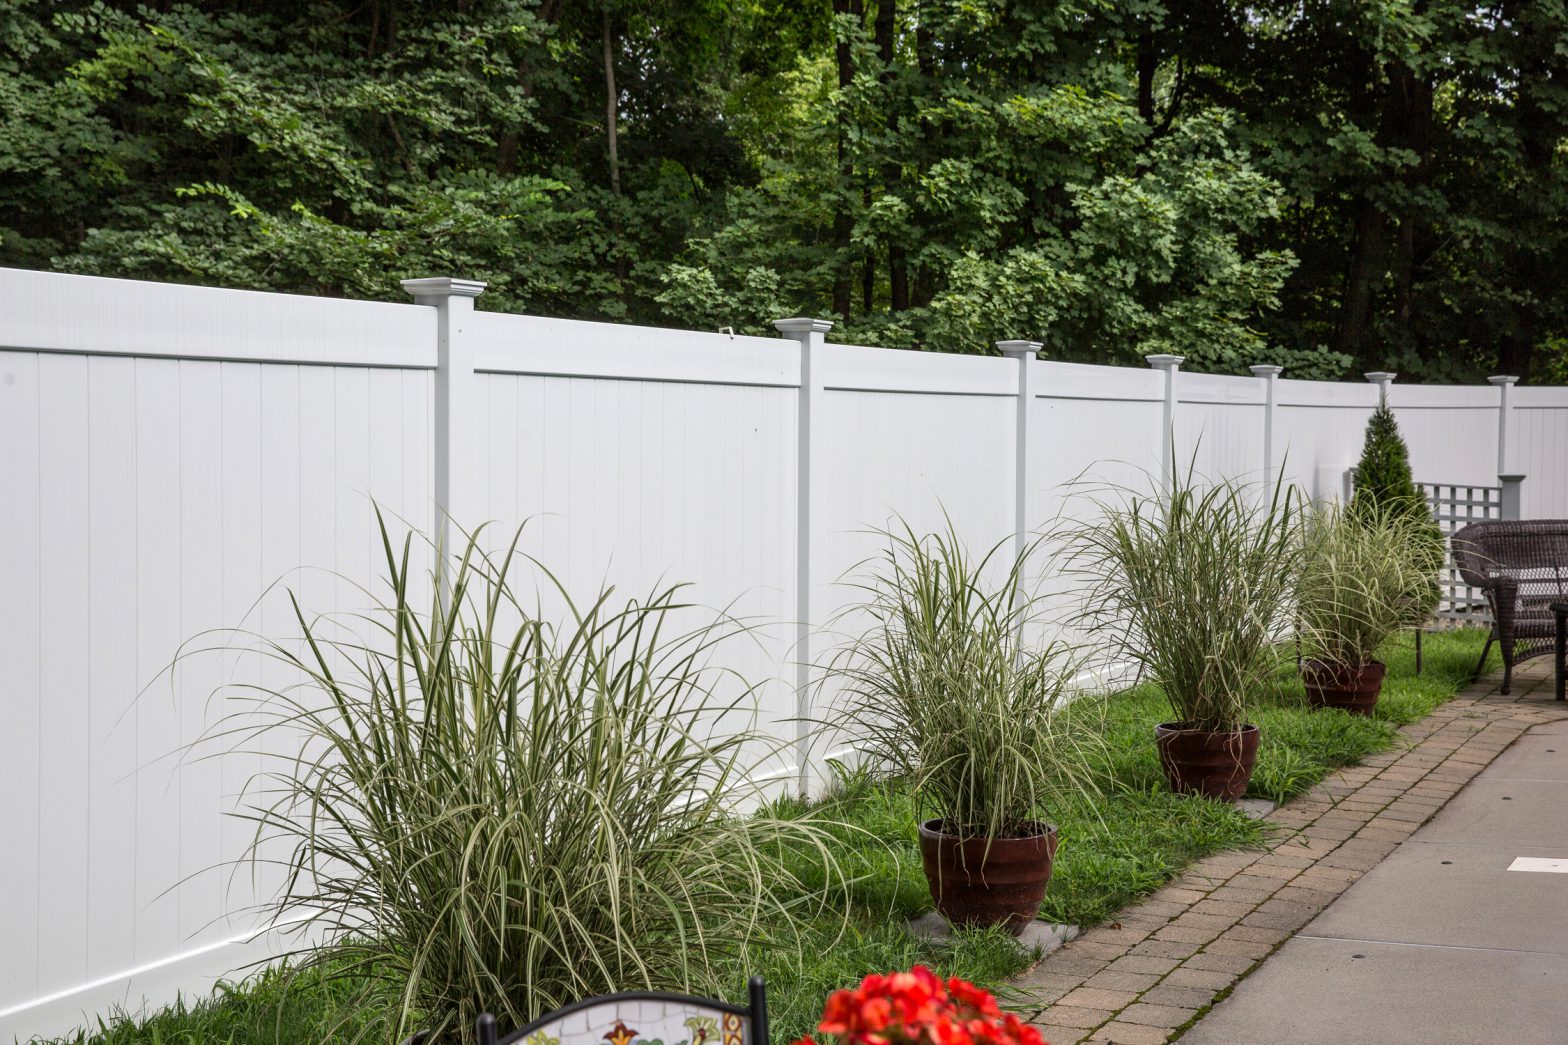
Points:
(1335, 185)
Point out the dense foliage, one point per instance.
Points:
(1335, 185)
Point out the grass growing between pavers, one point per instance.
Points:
(1114, 849)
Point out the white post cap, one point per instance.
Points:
(1265, 369)
(1164, 362)
(803, 325)
(1020, 348)
(1502, 379)
(433, 288)
(1380, 377)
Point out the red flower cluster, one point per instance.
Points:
(916, 1008)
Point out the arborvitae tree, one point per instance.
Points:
(1384, 484)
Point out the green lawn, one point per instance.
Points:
(1114, 849)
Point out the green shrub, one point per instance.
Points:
(1384, 486)
(493, 812)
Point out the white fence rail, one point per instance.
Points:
(166, 452)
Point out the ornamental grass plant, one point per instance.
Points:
(943, 690)
(1192, 585)
(1362, 577)
(491, 811)
(1385, 486)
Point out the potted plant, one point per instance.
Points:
(917, 1008)
(1364, 574)
(942, 691)
(1191, 585)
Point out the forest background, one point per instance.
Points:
(1335, 185)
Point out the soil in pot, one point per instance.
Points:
(1352, 689)
(1205, 762)
(978, 882)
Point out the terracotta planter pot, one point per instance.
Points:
(977, 886)
(1207, 763)
(1339, 686)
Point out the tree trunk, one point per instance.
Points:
(611, 104)
(892, 170)
(1148, 64)
(918, 287)
(1361, 277)
(509, 140)
(1528, 269)
(843, 221)
(1411, 125)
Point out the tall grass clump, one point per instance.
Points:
(943, 690)
(1193, 585)
(1363, 576)
(1385, 487)
(501, 813)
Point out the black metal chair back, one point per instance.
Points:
(643, 1018)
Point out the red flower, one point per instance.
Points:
(917, 1008)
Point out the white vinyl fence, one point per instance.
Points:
(168, 452)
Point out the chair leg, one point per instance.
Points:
(1560, 654)
(1480, 665)
(1508, 676)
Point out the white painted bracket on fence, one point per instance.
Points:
(1381, 378)
(1503, 382)
(1169, 364)
(1269, 372)
(811, 335)
(457, 481)
(1024, 516)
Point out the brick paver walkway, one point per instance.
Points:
(1159, 965)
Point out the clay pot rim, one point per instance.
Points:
(1175, 728)
(1318, 664)
(930, 829)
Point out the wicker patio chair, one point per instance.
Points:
(1522, 567)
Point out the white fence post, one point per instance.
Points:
(1023, 509)
(810, 334)
(1503, 382)
(1269, 372)
(456, 480)
(1169, 364)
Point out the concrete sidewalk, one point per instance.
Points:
(1441, 941)
(1462, 951)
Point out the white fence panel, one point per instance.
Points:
(1451, 432)
(167, 452)
(1319, 428)
(1539, 450)
(1218, 426)
(642, 457)
(165, 457)
(899, 449)
(1099, 426)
